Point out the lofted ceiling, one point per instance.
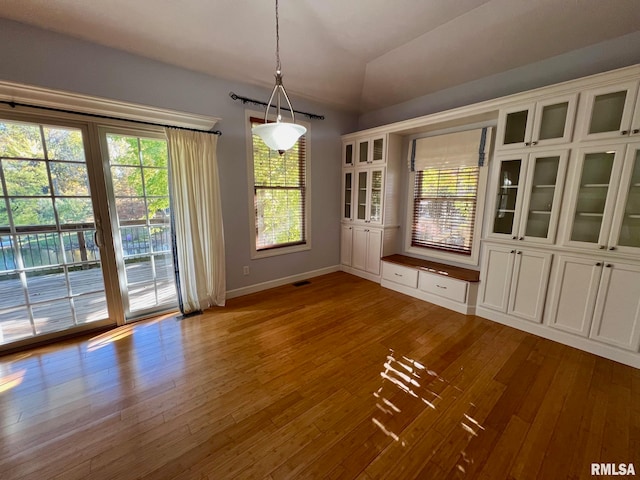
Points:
(358, 55)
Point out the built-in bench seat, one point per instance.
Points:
(451, 287)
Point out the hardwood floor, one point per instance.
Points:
(337, 379)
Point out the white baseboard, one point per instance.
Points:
(360, 273)
(258, 287)
(627, 357)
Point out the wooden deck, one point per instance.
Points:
(52, 309)
(337, 379)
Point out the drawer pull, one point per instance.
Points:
(440, 286)
(398, 274)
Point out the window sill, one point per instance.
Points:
(280, 251)
(440, 255)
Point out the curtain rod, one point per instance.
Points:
(264, 104)
(61, 110)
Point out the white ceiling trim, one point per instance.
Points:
(37, 96)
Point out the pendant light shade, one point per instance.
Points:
(279, 135)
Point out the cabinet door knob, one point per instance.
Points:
(608, 265)
(535, 142)
(521, 238)
(514, 237)
(635, 130)
(519, 252)
(624, 132)
(612, 248)
(513, 251)
(598, 264)
(601, 247)
(527, 143)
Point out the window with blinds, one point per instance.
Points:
(279, 194)
(444, 208)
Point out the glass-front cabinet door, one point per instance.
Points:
(594, 188)
(348, 154)
(543, 193)
(361, 195)
(508, 197)
(375, 204)
(545, 122)
(625, 232)
(363, 152)
(347, 195)
(609, 111)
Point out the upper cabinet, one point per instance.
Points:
(371, 150)
(593, 191)
(610, 112)
(528, 192)
(546, 122)
(348, 154)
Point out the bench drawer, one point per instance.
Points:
(443, 286)
(399, 274)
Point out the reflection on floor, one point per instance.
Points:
(338, 379)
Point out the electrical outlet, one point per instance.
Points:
(245, 270)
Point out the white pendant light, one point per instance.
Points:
(279, 135)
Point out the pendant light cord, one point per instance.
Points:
(278, 67)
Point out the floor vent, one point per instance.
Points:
(301, 283)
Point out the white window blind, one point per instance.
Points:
(459, 149)
(279, 194)
(444, 208)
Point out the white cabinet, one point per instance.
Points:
(598, 299)
(346, 244)
(594, 201)
(367, 249)
(610, 112)
(545, 122)
(348, 181)
(371, 150)
(348, 153)
(514, 281)
(369, 195)
(528, 195)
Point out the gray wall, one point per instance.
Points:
(609, 55)
(36, 57)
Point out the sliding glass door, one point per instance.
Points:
(138, 187)
(51, 275)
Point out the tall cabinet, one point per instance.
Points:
(370, 201)
(561, 251)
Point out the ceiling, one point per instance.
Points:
(358, 55)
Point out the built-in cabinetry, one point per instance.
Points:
(611, 111)
(537, 123)
(528, 194)
(561, 239)
(597, 298)
(370, 178)
(514, 281)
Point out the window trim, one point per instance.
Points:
(284, 249)
(438, 254)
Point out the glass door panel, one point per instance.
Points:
(363, 151)
(541, 198)
(506, 201)
(592, 196)
(378, 150)
(51, 277)
(140, 194)
(607, 111)
(348, 195)
(553, 121)
(362, 195)
(375, 212)
(515, 127)
(630, 230)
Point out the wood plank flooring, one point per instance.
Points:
(337, 379)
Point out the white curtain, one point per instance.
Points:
(197, 218)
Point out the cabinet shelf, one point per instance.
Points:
(633, 215)
(544, 186)
(595, 185)
(589, 214)
(540, 212)
(505, 211)
(508, 186)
